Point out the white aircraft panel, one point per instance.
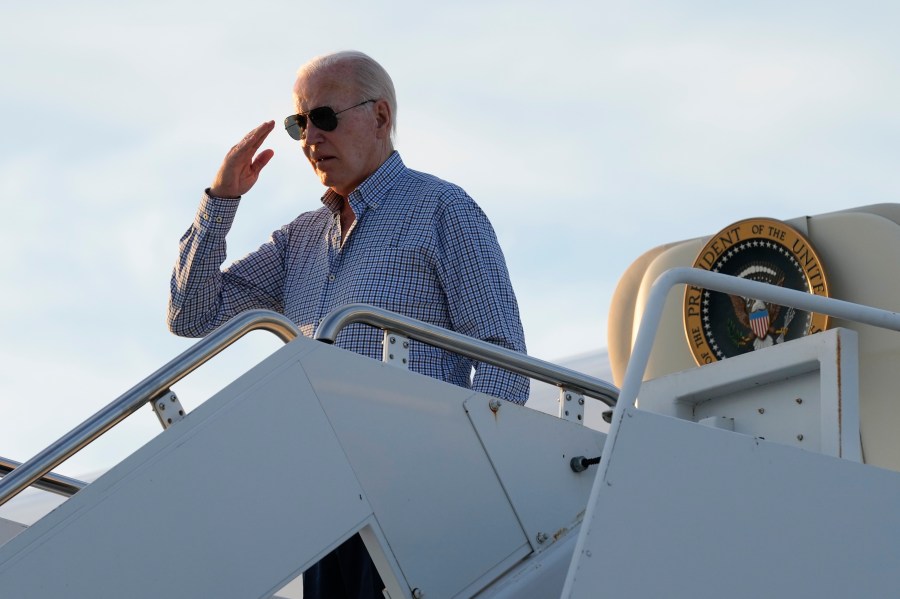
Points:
(431, 485)
(232, 501)
(521, 442)
(693, 511)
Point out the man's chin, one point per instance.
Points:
(326, 179)
(330, 181)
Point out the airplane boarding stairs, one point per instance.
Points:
(457, 494)
(449, 489)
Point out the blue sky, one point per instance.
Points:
(589, 132)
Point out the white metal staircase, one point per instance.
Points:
(312, 445)
(456, 494)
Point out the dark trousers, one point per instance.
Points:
(345, 573)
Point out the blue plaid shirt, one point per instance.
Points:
(420, 247)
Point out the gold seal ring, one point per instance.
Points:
(719, 325)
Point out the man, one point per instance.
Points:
(386, 235)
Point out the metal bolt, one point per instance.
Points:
(799, 437)
(405, 344)
(393, 340)
(417, 593)
(799, 401)
(568, 397)
(161, 405)
(761, 410)
(541, 538)
(580, 401)
(494, 405)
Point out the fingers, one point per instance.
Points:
(262, 160)
(251, 142)
(255, 138)
(240, 168)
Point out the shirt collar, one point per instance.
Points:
(371, 191)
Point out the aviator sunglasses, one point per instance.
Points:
(323, 117)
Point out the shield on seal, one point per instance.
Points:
(759, 323)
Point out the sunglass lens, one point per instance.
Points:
(295, 125)
(324, 118)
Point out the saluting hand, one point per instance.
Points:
(240, 169)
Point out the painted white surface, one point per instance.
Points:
(693, 511)
(312, 445)
(33, 504)
(521, 444)
(9, 529)
(219, 505)
(803, 393)
(431, 485)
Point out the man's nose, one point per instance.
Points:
(313, 134)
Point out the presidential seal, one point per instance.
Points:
(719, 325)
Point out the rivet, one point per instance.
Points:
(541, 537)
(579, 416)
(417, 593)
(799, 401)
(568, 396)
(391, 356)
(761, 410)
(405, 344)
(799, 437)
(393, 340)
(581, 401)
(161, 405)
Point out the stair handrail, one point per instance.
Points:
(150, 388)
(52, 482)
(704, 279)
(475, 349)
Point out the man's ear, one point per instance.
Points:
(383, 119)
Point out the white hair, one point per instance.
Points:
(373, 81)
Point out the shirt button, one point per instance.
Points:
(218, 219)
(330, 277)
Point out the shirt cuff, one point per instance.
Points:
(216, 214)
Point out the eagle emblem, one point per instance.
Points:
(720, 325)
(757, 317)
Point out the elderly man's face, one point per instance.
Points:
(342, 158)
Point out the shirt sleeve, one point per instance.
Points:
(480, 296)
(202, 296)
